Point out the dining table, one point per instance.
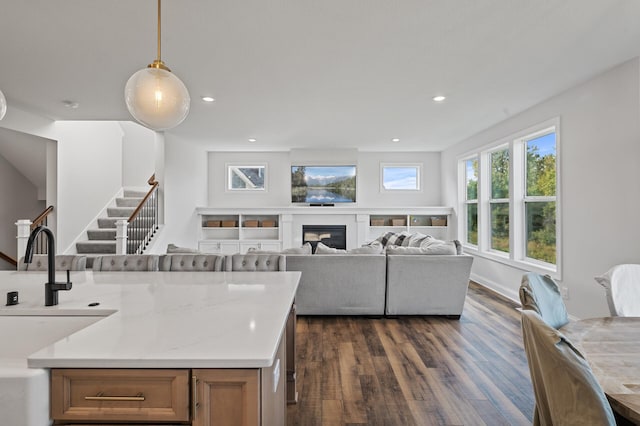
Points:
(611, 346)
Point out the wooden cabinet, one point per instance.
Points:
(120, 395)
(226, 397)
(198, 397)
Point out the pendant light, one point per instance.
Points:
(3, 105)
(155, 96)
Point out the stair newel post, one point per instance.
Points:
(121, 236)
(24, 230)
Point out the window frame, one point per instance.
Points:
(467, 202)
(228, 179)
(516, 143)
(417, 166)
(504, 146)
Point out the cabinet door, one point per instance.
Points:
(226, 397)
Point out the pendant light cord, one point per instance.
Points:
(159, 30)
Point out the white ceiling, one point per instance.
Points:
(310, 73)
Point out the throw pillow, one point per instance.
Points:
(305, 249)
(324, 249)
(366, 249)
(396, 250)
(394, 239)
(435, 246)
(434, 249)
(172, 248)
(415, 240)
(373, 248)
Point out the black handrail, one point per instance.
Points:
(143, 222)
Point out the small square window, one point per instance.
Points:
(400, 177)
(246, 177)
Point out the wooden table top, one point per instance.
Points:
(611, 345)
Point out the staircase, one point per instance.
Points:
(102, 241)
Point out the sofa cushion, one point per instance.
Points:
(305, 249)
(172, 248)
(394, 239)
(436, 246)
(416, 240)
(440, 249)
(366, 249)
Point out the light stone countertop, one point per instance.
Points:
(161, 319)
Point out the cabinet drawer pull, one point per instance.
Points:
(100, 397)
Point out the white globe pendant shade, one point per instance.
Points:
(3, 105)
(157, 98)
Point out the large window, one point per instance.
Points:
(246, 177)
(471, 200)
(400, 177)
(499, 200)
(510, 198)
(540, 198)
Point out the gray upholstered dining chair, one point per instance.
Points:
(191, 262)
(566, 391)
(64, 262)
(126, 262)
(255, 262)
(541, 294)
(622, 286)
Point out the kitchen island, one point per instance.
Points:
(203, 345)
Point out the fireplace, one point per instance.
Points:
(330, 235)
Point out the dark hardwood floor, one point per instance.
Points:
(415, 370)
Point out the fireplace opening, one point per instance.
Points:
(330, 235)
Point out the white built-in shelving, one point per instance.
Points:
(236, 230)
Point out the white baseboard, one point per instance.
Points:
(498, 288)
(503, 291)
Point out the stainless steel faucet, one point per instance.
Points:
(51, 287)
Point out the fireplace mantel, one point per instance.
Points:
(276, 228)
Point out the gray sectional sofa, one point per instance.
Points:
(336, 284)
(427, 284)
(381, 284)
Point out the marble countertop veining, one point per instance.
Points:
(161, 319)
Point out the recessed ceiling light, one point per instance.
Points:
(395, 140)
(207, 99)
(71, 104)
(252, 140)
(439, 98)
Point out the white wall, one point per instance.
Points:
(138, 154)
(184, 187)
(19, 200)
(278, 176)
(89, 167)
(599, 150)
(194, 176)
(89, 173)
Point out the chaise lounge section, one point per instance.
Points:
(419, 284)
